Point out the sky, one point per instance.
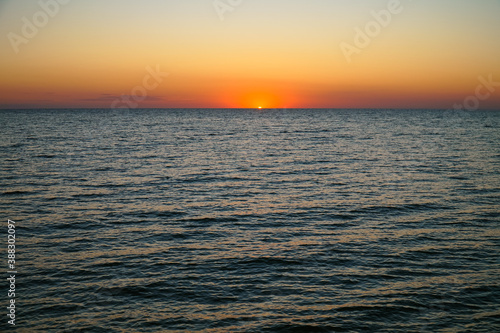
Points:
(250, 54)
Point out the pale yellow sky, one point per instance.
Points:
(294, 53)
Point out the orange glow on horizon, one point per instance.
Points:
(263, 95)
(260, 100)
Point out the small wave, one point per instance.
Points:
(18, 192)
(60, 308)
(340, 216)
(14, 145)
(109, 264)
(88, 195)
(493, 314)
(480, 190)
(207, 220)
(100, 169)
(207, 179)
(144, 290)
(269, 261)
(45, 156)
(400, 208)
(107, 186)
(77, 225)
(158, 213)
(387, 309)
(459, 177)
(145, 214)
(300, 328)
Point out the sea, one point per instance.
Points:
(244, 220)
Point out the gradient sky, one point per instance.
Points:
(269, 53)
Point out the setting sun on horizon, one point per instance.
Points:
(254, 53)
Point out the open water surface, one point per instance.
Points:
(253, 221)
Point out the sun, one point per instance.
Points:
(258, 99)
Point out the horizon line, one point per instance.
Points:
(258, 109)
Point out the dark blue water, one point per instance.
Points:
(253, 221)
